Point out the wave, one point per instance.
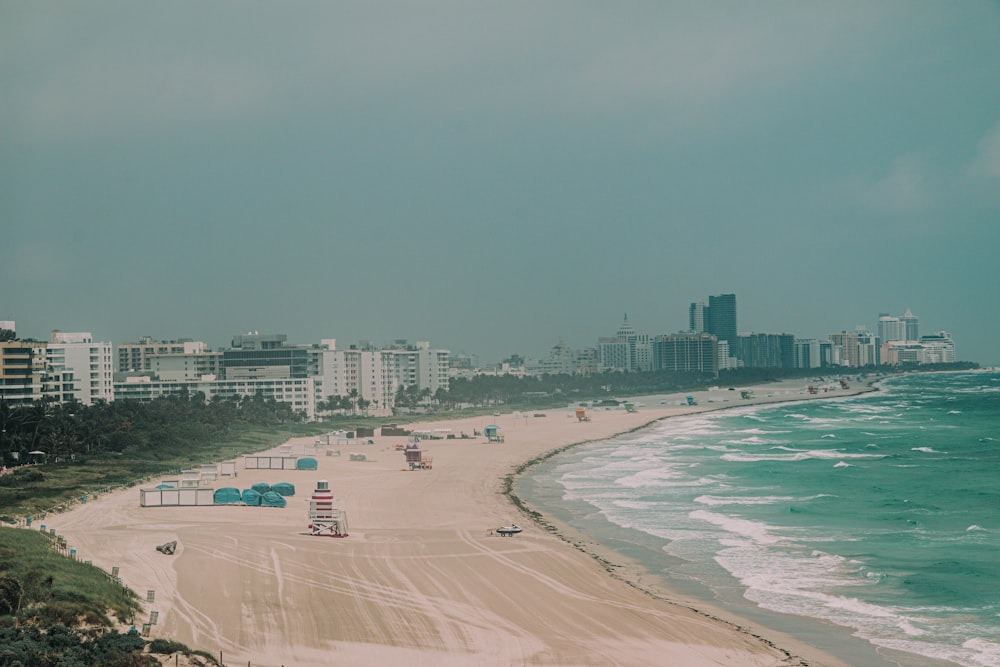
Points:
(716, 501)
(753, 440)
(926, 450)
(828, 454)
(760, 533)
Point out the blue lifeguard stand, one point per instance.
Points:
(492, 433)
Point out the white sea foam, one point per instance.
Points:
(799, 456)
(761, 431)
(842, 464)
(754, 530)
(926, 450)
(753, 440)
(715, 501)
(829, 435)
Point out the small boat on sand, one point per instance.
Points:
(507, 531)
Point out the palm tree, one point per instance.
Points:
(363, 404)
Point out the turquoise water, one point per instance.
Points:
(879, 513)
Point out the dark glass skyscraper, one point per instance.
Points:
(720, 318)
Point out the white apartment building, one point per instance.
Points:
(421, 366)
(22, 370)
(78, 368)
(188, 366)
(297, 392)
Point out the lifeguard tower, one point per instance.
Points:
(324, 518)
(581, 415)
(416, 458)
(492, 433)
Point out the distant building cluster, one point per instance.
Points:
(712, 343)
(74, 367)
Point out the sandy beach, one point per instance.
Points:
(422, 579)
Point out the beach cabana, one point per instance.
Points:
(284, 488)
(307, 463)
(272, 499)
(261, 487)
(251, 497)
(227, 496)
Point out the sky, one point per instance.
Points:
(497, 177)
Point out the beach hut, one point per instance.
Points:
(492, 433)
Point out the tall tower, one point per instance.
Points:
(696, 317)
(720, 320)
(626, 334)
(910, 325)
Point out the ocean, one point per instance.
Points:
(867, 526)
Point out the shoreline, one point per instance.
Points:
(630, 572)
(418, 580)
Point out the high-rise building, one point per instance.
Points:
(720, 320)
(78, 368)
(891, 328)
(22, 369)
(686, 352)
(260, 356)
(135, 357)
(612, 354)
(911, 324)
(807, 353)
(696, 316)
(766, 350)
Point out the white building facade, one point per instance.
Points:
(78, 368)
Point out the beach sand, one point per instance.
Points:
(422, 579)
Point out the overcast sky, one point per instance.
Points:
(493, 177)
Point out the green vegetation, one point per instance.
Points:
(39, 585)
(88, 450)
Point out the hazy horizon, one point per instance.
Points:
(493, 178)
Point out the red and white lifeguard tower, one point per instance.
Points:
(324, 518)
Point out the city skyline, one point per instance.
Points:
(497, 178)
(908, 321)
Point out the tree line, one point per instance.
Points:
(63, 431)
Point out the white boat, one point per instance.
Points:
(507, 531)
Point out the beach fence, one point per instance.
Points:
(279, 463)
(176, 497)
